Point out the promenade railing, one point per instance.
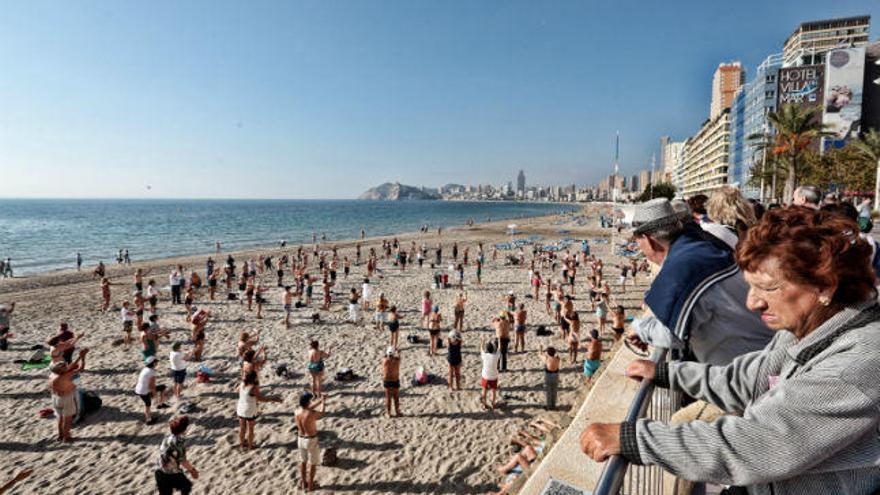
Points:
(620, 477)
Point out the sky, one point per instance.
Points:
(325, 98)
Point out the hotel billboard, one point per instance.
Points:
(842, 106)
(802, 86)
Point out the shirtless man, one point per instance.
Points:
(391, 379)
(307, 417)
(64, 393)
(501, 323)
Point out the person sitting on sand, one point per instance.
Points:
(316, 366)
(307, 431)
(172, 457)
(247, 409)
(391, 379)
(147, 389)
(64, 392)
(490, 356)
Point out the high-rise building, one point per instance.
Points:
(708, 156)
(737, 138)
(645, 178)
(670, 160)
(759, 100)
(521, 182)
(810, 41)
(634, 184)
(728, 78)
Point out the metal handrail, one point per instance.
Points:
(612, 477)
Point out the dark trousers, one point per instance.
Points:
(551, 385)
(504, 345)
(175, 294)
(167, 483)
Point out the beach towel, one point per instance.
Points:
(44, 363)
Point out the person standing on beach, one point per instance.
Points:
(354, 306)
(551, 375)
(391, 379)
(247, 409)
(147, 389)
(172, 460)
(79, 261)
(64, 393)
(307, 417)
(287, 304)
(434, 320)
(594, 356)
(393, 326)
(501, 324)
(427, 304)
(453, 357)
(316, 366)
(490, 356)
(519, 319)
(458, 311)
(174, 280)
(178, 361)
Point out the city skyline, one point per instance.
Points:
(323, 101)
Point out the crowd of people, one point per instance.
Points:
(771, 320)
(297, 274)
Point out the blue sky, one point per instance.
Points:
(323, 99)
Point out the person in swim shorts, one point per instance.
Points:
(391, 379)
(307, 417)
(315, 366)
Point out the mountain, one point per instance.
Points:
(398, 192)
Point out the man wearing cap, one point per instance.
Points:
(391, 379)
(697, 301)
(307, 417)
(146, 388)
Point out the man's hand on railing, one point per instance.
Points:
(601, 441)
(641, 369)
(633, 338)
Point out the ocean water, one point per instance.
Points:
(45, 234)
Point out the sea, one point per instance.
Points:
(42, 235)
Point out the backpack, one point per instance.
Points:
(542, 331)
(412, 338)
(345, 375)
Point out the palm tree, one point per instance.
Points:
(795, 129)
(869, 147)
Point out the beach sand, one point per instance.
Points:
(446, 442)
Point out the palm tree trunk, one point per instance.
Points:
(791, 180)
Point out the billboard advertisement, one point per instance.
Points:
(844, 76)
(802, 86)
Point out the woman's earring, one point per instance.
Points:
(824, 300)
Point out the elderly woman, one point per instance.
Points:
(806, 407)
(732, 215)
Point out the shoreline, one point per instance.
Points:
(577, 208)
(71, 275)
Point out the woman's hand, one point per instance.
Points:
(641, 369)
(601, 440)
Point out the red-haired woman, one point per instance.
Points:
(807, 405)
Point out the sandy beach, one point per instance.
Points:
(445, 443)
